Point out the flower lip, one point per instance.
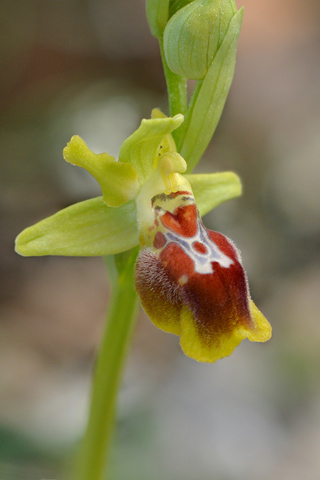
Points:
(191, 282)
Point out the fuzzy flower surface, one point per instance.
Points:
(190, 280)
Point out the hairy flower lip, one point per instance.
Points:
(191, 282)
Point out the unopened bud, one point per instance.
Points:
(194, 34)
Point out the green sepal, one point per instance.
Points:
(211, 95)
(118, 180)
(214, 188)
(142, 147)
(88, 228)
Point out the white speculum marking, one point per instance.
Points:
(202, 261)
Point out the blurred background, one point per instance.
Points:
(91, 67)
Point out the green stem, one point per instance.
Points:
(177, 90)
(184, 127)
(110, 361)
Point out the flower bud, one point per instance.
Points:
(159, 12)
(194, 34)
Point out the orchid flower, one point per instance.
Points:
(190, 280)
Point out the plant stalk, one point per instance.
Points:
(177, 89)
(107, 376)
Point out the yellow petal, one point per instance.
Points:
(118, 180)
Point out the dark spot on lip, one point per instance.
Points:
(159, 240)
(200, 247)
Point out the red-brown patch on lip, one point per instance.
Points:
(219, 301)
(224, 243)
(183, 221)
(176, 261)
(200, 247)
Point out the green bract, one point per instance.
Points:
(108, 225)
(209, 97)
